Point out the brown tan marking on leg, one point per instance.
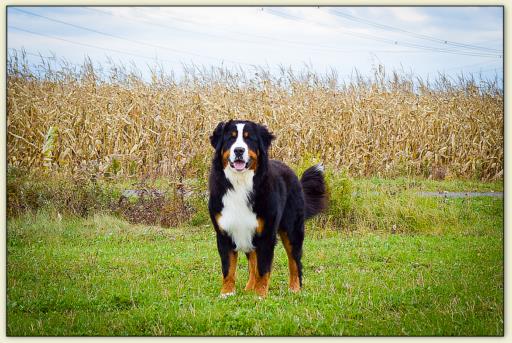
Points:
(292, 265)
(228, 282)
(261, 226)
(261, 286)
(257, 282)
(217, 219)
(253, 269)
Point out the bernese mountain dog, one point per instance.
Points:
(254, 198)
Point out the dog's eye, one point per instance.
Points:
(246, 134)
(233, 133)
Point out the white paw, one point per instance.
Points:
(225, 295)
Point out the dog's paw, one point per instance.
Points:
(225, 295)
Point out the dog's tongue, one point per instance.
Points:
(239, 165)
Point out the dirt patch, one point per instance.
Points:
(153, 207)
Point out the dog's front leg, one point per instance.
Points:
(264, 254)
(228, 257)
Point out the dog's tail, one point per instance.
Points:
(315, 193)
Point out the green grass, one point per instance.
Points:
(441, 273)
(393, 206)
(400, 184)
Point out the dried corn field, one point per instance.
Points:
(108, 122)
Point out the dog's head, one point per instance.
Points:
(241, 145)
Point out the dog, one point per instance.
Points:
(253, 199)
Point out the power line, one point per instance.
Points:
(203, 56)
(165, 25)
(471, 66)
(52, 58)
(145, 57)
(23, 51)
(390, 41)
(414, 34)
(489, 69)
(275, 39)
(127, 39)
(93, 46)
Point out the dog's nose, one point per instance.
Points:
(239, 151)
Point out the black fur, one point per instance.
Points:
(313, 186)
(278, 197)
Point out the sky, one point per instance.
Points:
(419, 40)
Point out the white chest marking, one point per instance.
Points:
(237, 218)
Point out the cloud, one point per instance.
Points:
(409, 14)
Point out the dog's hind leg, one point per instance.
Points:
(294, 252)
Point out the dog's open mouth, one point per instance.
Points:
(239, 165)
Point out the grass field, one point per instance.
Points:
(440, 273)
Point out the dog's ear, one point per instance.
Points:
(216, 137)
(266, 137)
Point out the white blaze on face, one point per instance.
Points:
(239, 143)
